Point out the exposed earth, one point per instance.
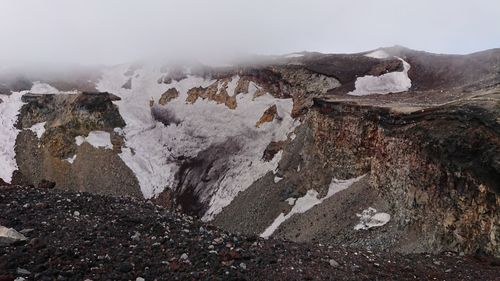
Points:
(80, 236)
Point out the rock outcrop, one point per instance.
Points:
(55, 154)
(216, 92)
(268, 116)
(434, 170)
(169, 95)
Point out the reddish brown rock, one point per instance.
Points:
(168, 96)
(268, 116)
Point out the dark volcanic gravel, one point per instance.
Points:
(79, 236)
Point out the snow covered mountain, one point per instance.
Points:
(305, 146)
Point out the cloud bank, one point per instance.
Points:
(115, 31)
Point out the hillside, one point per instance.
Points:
(389, 150)
(80, 236)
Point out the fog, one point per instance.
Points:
(116, 31)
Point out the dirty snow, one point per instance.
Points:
(151, 148)
(98, 139)
(9, 109)
(392, 82)
(371, 218)
(38, 129)
(309, 200)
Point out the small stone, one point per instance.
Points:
(27, 231)
(136, 236)
(76, 213)
(23, 271)
(37, 243)
(140, 279)
(184, 256)
(19, 279)
(243, 266)
(333, 263)
(10, 235)
(125, 267)
(448, 270)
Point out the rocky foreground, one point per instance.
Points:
(80, 236)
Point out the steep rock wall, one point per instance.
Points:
(437, 168)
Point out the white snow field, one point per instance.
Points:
(378, 54)
(306, 202)
(151, 148)
(392, 82)
(97, 139)
(9, 109)
(38, 129)
(371, 218)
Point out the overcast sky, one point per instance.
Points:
(115, 31)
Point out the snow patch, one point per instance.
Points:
(309, 200)
(71, 159)
(40, 88)
(277, 179)
(378, 54)
(291, 201)
(38, 129)
(43, 89)
(392, 82)
(295, 55)
(98, 139)
(370, 218)
(9, 110)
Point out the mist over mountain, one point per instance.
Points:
(113, 32)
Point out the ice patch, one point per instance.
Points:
(38, 129)
(9, 110)
(370, 218)
(71, 159)
(378, 54)
(97, 139)
(392, 82)
(309, 200)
